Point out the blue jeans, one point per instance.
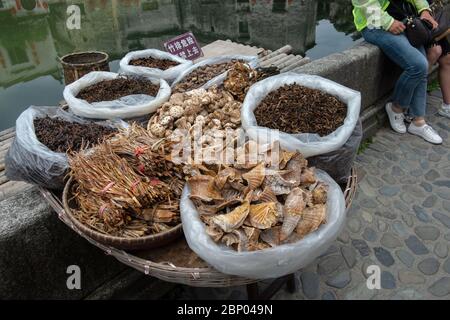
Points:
(411, 88)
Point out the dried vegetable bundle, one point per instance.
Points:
(259, 204)
(126, 187)
(241, 77)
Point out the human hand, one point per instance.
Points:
(397, 27)
(426, 15)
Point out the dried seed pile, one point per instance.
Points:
(256, 206)
(297, 109)
(150, 62)
(202, 75)
(109, 90)
(62, 136)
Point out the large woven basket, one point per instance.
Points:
(142, 243)
(159, 262)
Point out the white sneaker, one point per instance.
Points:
(444, 110)
(426, 132)
(397, 120)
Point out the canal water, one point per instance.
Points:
(34, 33)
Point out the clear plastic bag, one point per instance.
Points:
(169, 75)
(251, 60)
(127, 107)
(269, 263)
(31, 161)
(307, 143)
(338, 164)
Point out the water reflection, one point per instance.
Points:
(33, 34)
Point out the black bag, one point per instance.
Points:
(420, 32)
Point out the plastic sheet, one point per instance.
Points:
(251, 60)
(31, 161)
(269, 263)
(307, 143)
(338, 164)
(127, 107)
(169, 75)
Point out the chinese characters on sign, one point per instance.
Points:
(184, 46)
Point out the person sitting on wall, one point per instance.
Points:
(378, 27)
(439, 52)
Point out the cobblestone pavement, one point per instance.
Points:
(400, 221)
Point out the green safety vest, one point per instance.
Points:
(360, 18)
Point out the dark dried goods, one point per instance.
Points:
(202, 75)
(297, 109)
(61, 136)
(109, 90)
(162, 64)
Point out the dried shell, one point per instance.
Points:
(319, 194)
(277, 183)
(225, 175)
(255, 177)
(295, 167)
(268, 195)
(233, 220)
(308, 176)
(272, 236)
(311, 220)
(293, 209)
(262, 216)
(203, 188)
(230, 239)
(214, 232)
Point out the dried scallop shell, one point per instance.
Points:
(308, 176)
(255, 177)
(320, 194)
(293, 209)
(203, 188)
(233, 220)
(214, 232)
(225, 175)
(311, 220)
(272, 236)
(230, 239)
(262, 216)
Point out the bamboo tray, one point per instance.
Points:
(174, 262)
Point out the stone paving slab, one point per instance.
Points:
(399, 221)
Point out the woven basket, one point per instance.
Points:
(78, 64)
(166, 270)
(132, 244)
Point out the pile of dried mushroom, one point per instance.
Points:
(259, 204)
(126, 187)
(241, 77)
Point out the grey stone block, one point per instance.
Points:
(36, 249)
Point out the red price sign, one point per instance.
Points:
(184, 46)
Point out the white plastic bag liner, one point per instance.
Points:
(31, 161)
(127, 107)
(251, 60)
(269, 263)
(169, 75)
(308, 144)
